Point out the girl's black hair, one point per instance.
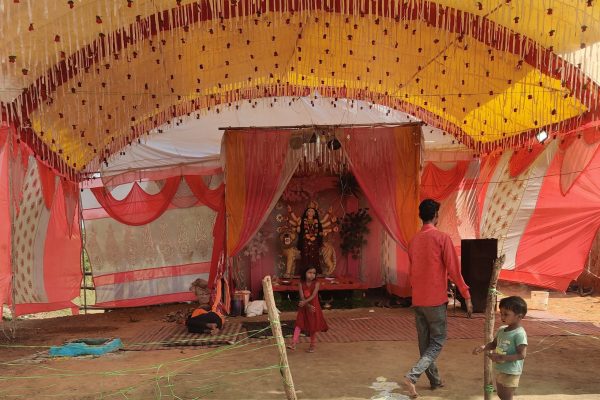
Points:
(305, 270)
(319, 229)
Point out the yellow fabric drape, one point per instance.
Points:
(235, 186)
(85, 104)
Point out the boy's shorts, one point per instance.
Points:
(507, 380)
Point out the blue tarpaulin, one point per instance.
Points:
(83, 347)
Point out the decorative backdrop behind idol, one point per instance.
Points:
(275, 249)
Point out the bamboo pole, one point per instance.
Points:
(300, 127)
(9, 148)
(490, 316)
(82, 258)
(288, 383)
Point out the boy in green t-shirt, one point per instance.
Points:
(510, 345)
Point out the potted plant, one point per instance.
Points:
(354, 228)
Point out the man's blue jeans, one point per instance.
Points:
(432, 330)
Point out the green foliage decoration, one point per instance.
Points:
(353, 231)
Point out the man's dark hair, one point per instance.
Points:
(515, 304)
(427, 209)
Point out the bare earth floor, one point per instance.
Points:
(561, 363)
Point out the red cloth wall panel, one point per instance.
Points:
(47, 258)
(5, 231)
(555, 245)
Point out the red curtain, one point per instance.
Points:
(386, 162)
(438, 184)
(215, 199)
(255, 169)
(521, 159)
(138, 207)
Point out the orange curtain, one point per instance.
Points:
(408, 148)
(235, 188)
(386, 164)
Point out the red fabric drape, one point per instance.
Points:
(71, 195)
(138, 207)
(438, 184)
(385, 162)
(48, 181)
(522, 159)
(262, 165)
(211, 198)
(215, 199)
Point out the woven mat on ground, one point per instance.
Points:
(345, 330)
(262, 329)
(402, 328)
(176, 336)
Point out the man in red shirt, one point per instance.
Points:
(432, 260)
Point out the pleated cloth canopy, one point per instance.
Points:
(82, 79)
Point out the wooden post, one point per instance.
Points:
(490, 316)
(288, 383)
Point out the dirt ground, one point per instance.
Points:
(557, 367)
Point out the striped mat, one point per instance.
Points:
(348, 330)
(176, 336)
(402, 328)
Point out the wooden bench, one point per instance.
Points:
(326, 286)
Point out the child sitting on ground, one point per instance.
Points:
(510, 345)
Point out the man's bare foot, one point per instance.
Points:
(410, 388)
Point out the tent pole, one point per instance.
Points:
(284, 367)
(298, 127)
(11, 203)
(81, 233)
(490, 316)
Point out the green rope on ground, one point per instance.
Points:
(489, 388)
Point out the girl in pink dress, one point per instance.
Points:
(310, 318)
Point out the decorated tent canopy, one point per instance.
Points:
(137, 90)
(83, 79)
